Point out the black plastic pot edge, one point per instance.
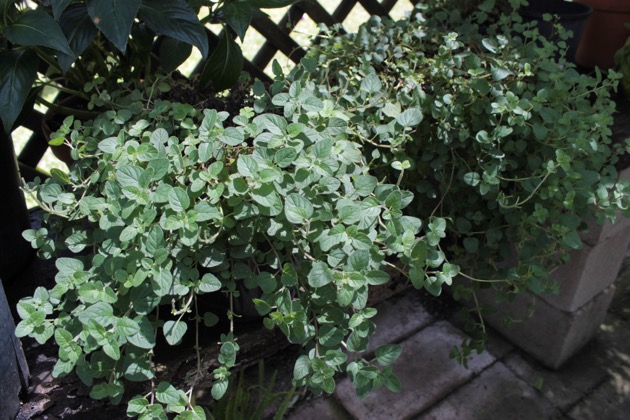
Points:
(572, 16)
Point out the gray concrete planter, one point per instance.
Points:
(562, 324)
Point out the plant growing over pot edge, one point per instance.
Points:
(166, 203)
(513, 149)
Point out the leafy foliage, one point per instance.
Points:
(166, 202)
(415, 146)
(504, 140)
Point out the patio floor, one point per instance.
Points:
(503, 382)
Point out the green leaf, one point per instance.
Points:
(320, 275)
(359, 260)
(59, 6)
(79, 30)
(386, 355)
(312, 104)
(18, 71)
(285, 157)
(500, 73)
(297, 209)
(209, 283)
(376, 278)
(572, 240)
(224, 66)
(196, 413)
(490, 44)
(174, 331)
(410, 117)
(219, 389)
(238, 16)
(247, 166)
(100, 312)
(471, 244)
(393, 383)
(163, 281)
(154, 240)
(129, 176)
(270, 203)
(419, 253)
(371, 84)
(232, 136)
(173, 53)
(210, 319)
(137, 405)
(178, 199)
(167, 393)
(175, 19)
(145, 337)
(302, 367)
(365, 184)
(114, 19)
(37, 28)
(472, 178)
(417, 277)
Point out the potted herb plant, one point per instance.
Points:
(167, 202)
(513, 145)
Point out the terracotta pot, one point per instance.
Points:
(604, 34)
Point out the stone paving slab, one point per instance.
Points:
(564, 387)
(426, 372)
(398, 318)
(320, 409)
(496, 345)
(495, 394)
(610, 401)
(614, 339)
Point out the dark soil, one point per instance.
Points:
(186, 92)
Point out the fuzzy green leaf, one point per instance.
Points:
(174, 331)
(320, 275)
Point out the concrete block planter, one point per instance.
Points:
(552, 335)
(562, 324)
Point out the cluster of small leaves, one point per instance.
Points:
(513, 148)
(165, 203)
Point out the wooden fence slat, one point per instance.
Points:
(317, 12)
(287, 23)
(373, 7)
(343, 10)
(278, 38)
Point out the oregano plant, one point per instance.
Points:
(166, 203)
(506, 142)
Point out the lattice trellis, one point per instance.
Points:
(279, 38)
